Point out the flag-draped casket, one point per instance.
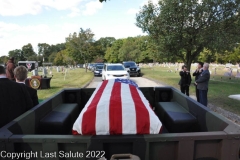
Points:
(117, 107)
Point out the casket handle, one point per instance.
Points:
(124, 156)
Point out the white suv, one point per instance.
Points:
(113, 71)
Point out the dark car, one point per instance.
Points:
(98, 70)
(94, 66)
(1, 64)
(132, 68)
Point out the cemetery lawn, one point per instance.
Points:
(220, 87)
(74, 79)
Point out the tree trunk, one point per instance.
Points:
(189, 59)
(86, 65)
(191, 56)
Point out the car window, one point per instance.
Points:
(115, 68)
(129, 65)
(99, 67)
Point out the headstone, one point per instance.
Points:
(57, 69)
(35, 72)
(238, 74)
(65, 74)
(45, 71)
(40, 69)
(227, 74)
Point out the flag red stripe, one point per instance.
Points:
(115, 110)
(89, 117)
(142, 115)
(75, 132)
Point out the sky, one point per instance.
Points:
(51, 21)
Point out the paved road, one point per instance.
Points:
(141, 82)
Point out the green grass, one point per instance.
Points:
(74, 79)
(220, 87)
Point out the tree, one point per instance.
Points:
(44, 50)
(3, 59)
(230, 57)
(58, 47)
(234, 57)
(60, 59)
(207, 56)
(17, 54)
(52, 57)
(33, 58)
(113, 51)
(63, 58)
(185, 29)
(28, 51)
(129, 50)
(79, 45)
(105, 42)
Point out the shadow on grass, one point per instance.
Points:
(70, 86)
(52, 87)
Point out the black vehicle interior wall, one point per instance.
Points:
(28, 123)
(216, 138)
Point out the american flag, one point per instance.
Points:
(117, 107)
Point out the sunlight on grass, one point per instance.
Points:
(220, 86)
(74, 79)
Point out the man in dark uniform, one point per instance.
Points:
(185, 80)
(14, 99)
(196, 74)
(20, 74)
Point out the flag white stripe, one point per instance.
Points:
(102, 111)
(129, 125)
(155, 124)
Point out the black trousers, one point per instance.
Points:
(197, 94)
(185, 89)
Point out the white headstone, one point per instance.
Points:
(35, 72)
(45, 71)
(238, 74)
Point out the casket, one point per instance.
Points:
(117, 107)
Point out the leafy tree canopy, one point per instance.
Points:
(79, 45)
(3, 59)
(27, 51)
(184, 29)
(17, 54)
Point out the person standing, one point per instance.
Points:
(10, 68)
(202, 84)
(185, 80)
(196, 74)
(20, 74)
(14, 99)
